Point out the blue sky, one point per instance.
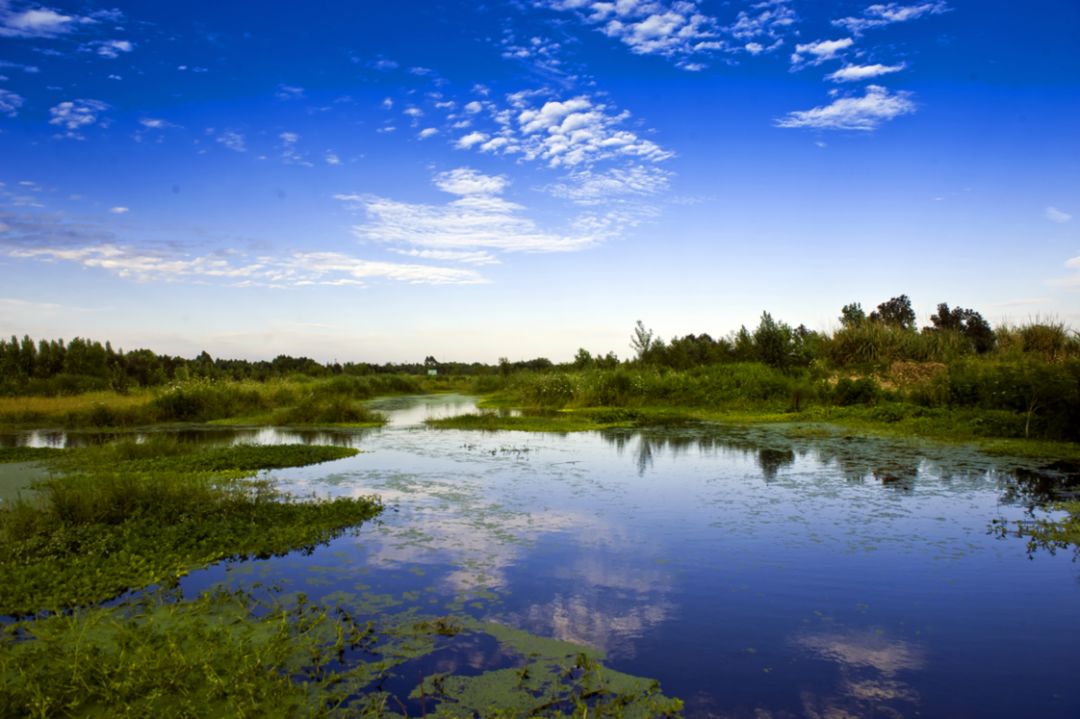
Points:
(383, 181)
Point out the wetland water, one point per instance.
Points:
(755, 572)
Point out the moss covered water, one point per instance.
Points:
(759, 571)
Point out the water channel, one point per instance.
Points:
(770, 571)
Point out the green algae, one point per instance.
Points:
(230, 653)
(551, 678)
(124, 516)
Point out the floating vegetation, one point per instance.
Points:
(10, 455)
(229, 653)
(117, 518)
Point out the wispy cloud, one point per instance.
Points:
(853, 113)
(588, 187)
(119, 210)
(233, 140)
(1073, 278)
(1055, 215)
(478, 219)
(110, 49)
(766, 22)
(290, 154)
(815, 53)
(289, 92)
(155, 123)
(478, 257)
(881, 14)
(10, 103)
(855, 73)
(291, 270)
(74, 115)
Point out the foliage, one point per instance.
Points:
(896, 312)
(968, 323)
(119, 518)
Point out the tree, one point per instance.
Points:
(772, 341)
(966, 322)
(852, 315)
(583, 360)
(896, 312)
(641, 341)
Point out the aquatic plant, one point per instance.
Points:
(114, 519)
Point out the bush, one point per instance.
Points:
(864, 390)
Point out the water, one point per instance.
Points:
(756, 572)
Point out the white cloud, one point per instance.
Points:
(332, 159)
(819, 51)
(473, 107)
(541, 53)
(9, 103)
(427, 132)
(290, 155)
(478, 219)
(233, 140)
(290, 270)
(1055, 215)
(587, 187)
(112, 48)
(881, 14)
(855, 73)
(478, 257)
(119, 210)
(674, 29)
(155, 123)
(853, 113)
(465, 181)
(289, 92)
(75, 115)
(1071, 280)
(473, 138)
(565, 133)
(387, 103)
(770, 20)
(38, 22)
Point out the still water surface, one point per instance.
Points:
(756, 572)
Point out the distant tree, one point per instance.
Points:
(773, 341)
(852, 315)
(966, 322)
(430, 362)
(742, 345)
(896, 312)
(583, 359)
(641, 341)
(608, 361)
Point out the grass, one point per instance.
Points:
(299, 401)
(126, 516)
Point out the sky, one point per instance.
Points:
(379, 182)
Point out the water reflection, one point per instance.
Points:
(831, 575)
(869, 664)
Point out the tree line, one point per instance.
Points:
(887, 334)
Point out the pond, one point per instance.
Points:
(764, 571)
